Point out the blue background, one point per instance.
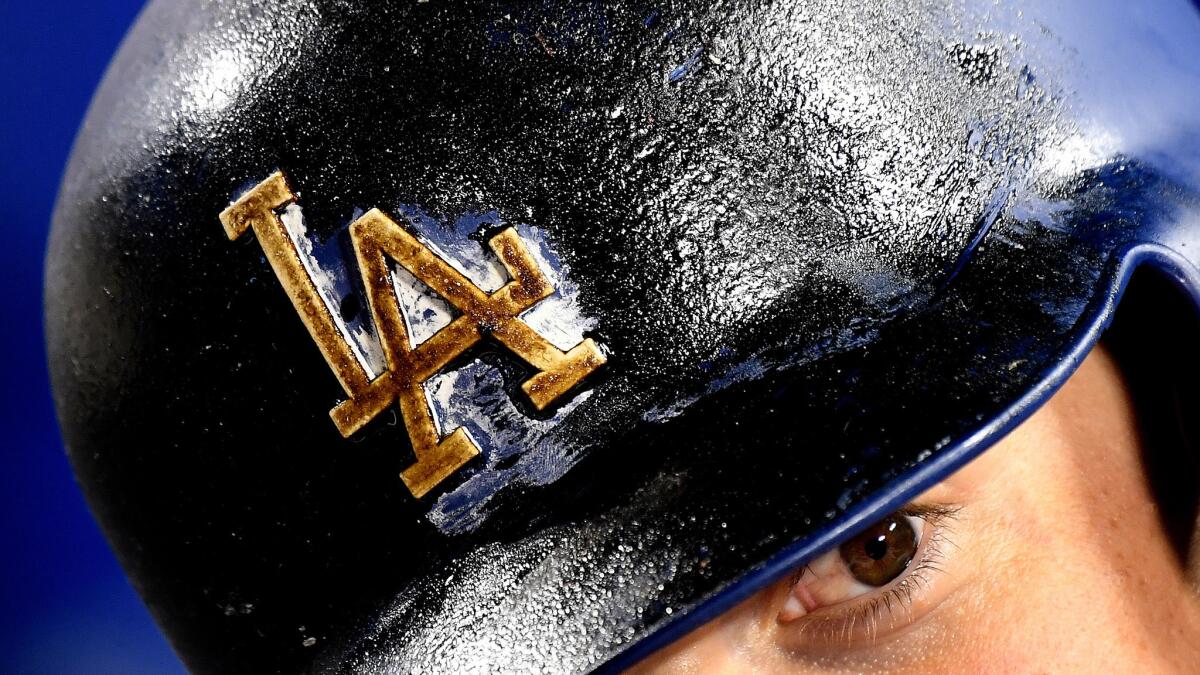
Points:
(65, 605)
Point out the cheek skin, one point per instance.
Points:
(1081, 571)
(737, 642)
(1059, 563)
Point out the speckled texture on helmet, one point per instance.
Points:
(831, 250)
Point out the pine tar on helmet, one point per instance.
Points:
(443, 337)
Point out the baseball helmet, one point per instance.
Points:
(454, 337)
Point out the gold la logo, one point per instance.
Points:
(376, 238)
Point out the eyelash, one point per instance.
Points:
(898, 593)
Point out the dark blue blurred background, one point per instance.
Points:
(65, 605)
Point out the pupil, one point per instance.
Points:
(877, 548)
(883, 552)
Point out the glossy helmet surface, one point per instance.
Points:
(809, 257)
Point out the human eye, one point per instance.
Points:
(873, 585)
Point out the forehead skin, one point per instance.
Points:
(1058, 562)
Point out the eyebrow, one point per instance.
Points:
(930, 510)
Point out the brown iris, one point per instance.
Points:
(883, 552)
